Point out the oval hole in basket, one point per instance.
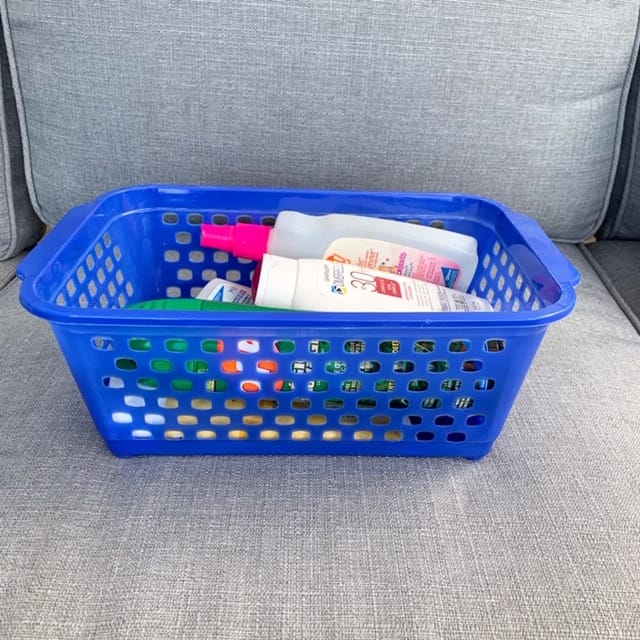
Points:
(113, 382)
(354, 346)
(335, 366)
(385, 386)
(319, 346)
(418, 385)
(369, 366)
(484, 384)
(495, 345)
(182, 384)
(216, 386)
(134, 401)
(476, 420)
(404, 366)
(284, 386)
(170, 218)
(424, 346)
(148, 384)
(284, 346)
(176, 345)
(202, 404)
(197, 366)
(126, 364)
(251, 386)
(459, 346)
(438, 366)
(472, 365)
(212, 346)
(161, 365)
(102, 344)
(464, 402)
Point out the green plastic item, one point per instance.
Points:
(192, 304)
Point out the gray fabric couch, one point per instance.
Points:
(534, 105)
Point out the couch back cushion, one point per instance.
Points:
(516, 101)
(19, 226)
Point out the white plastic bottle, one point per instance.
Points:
(219, 290)
(324, 285)
(425, 253)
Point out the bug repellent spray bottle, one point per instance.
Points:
(425, 253)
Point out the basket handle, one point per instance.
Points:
(44, 252)
(556, 263)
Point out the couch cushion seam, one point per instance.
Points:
(6, 164)
(622, 107)
(22, 121)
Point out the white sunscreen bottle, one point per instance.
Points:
(325, 285)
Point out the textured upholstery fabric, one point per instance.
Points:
(518, 101)
(19, 226)
(619, 262)
(8, 270)
(538, 540)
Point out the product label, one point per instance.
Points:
(394, 258)
(388, 287)
(360, 289)
(219, 290)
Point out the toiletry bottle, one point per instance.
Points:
(324, 285)
(219, 290)
(422, 252)
(193, 304)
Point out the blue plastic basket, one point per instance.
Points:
(167, 382)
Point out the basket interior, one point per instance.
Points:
(157, 254)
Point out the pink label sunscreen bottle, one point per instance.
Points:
(421, 252)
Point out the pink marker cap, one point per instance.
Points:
(243, 240)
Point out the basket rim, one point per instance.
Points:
(43, 256)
